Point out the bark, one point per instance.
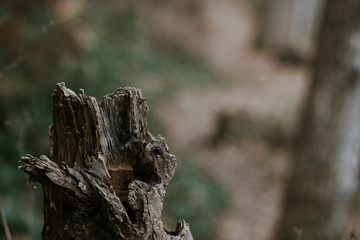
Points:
(107, 174)
(324, 178)
(289, 26)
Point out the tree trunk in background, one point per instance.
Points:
(107, 174)
(290, 25)
(324, 178)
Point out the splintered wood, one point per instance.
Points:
(106, 175)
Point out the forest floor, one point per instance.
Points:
(253, 172)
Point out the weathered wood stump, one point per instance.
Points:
(107, 174)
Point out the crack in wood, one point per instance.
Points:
(107, 174)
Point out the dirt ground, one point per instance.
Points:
(253, 172)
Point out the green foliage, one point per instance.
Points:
(196, 196)
(101, 48)
(24, 211)
(256, 6)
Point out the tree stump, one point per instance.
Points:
(107, 174)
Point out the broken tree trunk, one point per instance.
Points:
(107, 174)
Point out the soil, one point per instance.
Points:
(253, 172)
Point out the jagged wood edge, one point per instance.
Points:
(80, 188)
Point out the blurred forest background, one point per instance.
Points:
(224, 81)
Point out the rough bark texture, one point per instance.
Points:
(324, 179)
(107, 174)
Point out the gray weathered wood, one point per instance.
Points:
(322, 187)
(107, 174)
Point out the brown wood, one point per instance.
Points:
(107, 174)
